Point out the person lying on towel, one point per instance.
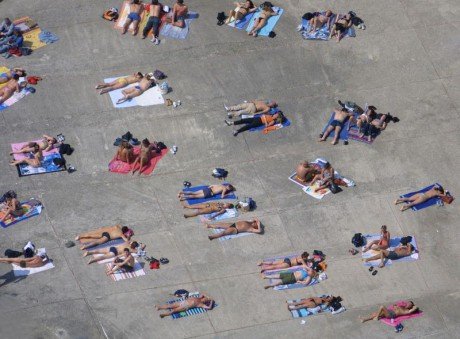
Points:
(134, 16)
(35, 261)
(319, 20)
(242, 9)
(266, 120)
(418, 198)
(7, 76)
(252, 226)
(11, 208)
(303, 276)
(114, 251)
(312, 302)
(381, 244)
(125, 152)
(35, 161)
(305, 172)
(404, 249)
(340, 117)
(207, 208)
(391, 312)
(10, 88)
(300, 260)
(250, 108)
(207, 192)
(325, 178)
(144, 84)
(201, 301)
(261, 21)
(119, 83)
(103, 235)
(341, 26)
(179, 14)
(46, 144)
(123, 261)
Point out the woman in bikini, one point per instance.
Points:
(418, 198)
(300, 260)
(11, 209)
(207, 208)
(10, 88)
(325, 178)
(261, 21)
(125, 152)
(134, 16)
(253, 226)
(45, 145)
(242, 9)
(144, 157)
(391, 312)
(119, 83)
(340, 27)
(7, 76)
(319, 20)
(311, 302)
(207, 192)
(34, 162)
(113, 251)
(144, 84)
(381, 244)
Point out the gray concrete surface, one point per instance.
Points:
(406, 62)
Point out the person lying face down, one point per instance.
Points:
(300, 260)
(114, 251)
(119, 83)
(122, 261)
(134, 16)
(381, 244)
(252, 226)
(206, 208)
(250, 108)
(303, 276)
(305, 172)
(340, 116)
(35, 261)
(312, 302)
(242, 9)
(401, 251)
(207, 192)
(393, 311)
(103, 235)
(418, 198)
(201, 300)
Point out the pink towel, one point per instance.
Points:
(118, 166)
(400, 319)
(18, 146)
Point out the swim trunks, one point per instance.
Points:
(207, 192)
(107, 235)
(392, 255)
(134, 16)
(336, 123)
(391, 313)
(113, 250)
(180, 18)
(127, 267)
(288, 278)
(234, 226)
(137, 87)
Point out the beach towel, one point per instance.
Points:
(228, 237)
(118, 166)
(31, 33)
(305, 312)
(21, 272)
(201, 200)
(19, 145)
(266, 130)
(191, 311)
(150, 97)
(271, 22)
(428, 203)
(241, 23)
(31, 209)
(122, 274)
(343, 132)
(47, 166)
(324, 32)
(123, 15)
(395, 241)
(290, 286)
(3, 69)
(229, 213)
(174, 32)
(398, 320)
(15, 98)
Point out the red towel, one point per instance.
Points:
(118, 166)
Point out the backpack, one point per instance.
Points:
(358, 240)
(65, 149)
(12, 253)
(159, 75)
(111, 14)
(247, 204)
(219, 173)
(220, 18)
(181, 293)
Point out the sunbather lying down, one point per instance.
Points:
(241, 10)
(11, 86)
(370, 122)
(202, 301)
(340, 26)
(340, 117)
(7, 76)
(302, 276)
(418, 198)
(392, 312)
(35, 161)
(400, 251)
(119, 83)
(300, 260)
(319, 20)
(252, 226)
(35, 261)
(261, 21)
(103, 235)
(46, 144)
(114, 251)
(207, 192)
(206, 208)
(312, 302)
(144, 84)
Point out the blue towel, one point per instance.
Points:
(322, 33)
(243, 22)
(201, 200)
(428, 203)
(305, 312)
(47, 166)
(174, 32)
(33, 210)
(286, 122)
(343, 132)
(48, 37)
(271, 22)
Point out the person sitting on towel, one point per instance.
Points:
(252, 226)
(303, 276)
(6, 28)
(312, 302)
(131, 92)
(319, 20)
(404, 249)
(7, 76)
(340, 116)
(261, 21)
(46, 144)
(381, 244)
(124, 261)
(12, 208)
(300, 260)
(207, 192)
(10, 88)
(392, 312)
(125, 152)
(325, 178)
(418, 198)
(305, 172)
(201, 301)
(14, 41)
(120, 83)
(242, 9)
(103, 235)
(179, 14)
(207, 208)
(250, 108)
(340, 27)
(134, 16)
(145, 155)
(35, 261)
(35, 161)
(266, 120)
(113, 251)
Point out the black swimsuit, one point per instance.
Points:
(107, 235)
(113, 250)
(234, 226)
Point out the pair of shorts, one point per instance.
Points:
(106, 235)
(128, 268)
(134, 16)
(207, 192)
(392, 255)
(337, 123)
(113, 250)
(288, 278)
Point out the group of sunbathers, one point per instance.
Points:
(10, 36)
(35, 150)
(140, 162)
(308, 174)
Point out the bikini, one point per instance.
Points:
(234, 226)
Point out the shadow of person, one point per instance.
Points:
(10, 277)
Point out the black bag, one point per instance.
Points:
(406, 240)
(308, 16)
(221, 18)
(335, 305)
(161, 145)
(29, 253)
(358, 240)
(12, 253)
(181, 293)
(59, 162)
(127, 136)
(219, 173)
(319, 253)
(272, 34)
(335, 188)
(65, 149)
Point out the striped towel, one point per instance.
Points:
(123, 274)
(191, 311)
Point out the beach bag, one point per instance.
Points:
(335, 305)
(358, 240)
(159, 75)
(65, 149)
(25, 50)
(220, 18)
(219, 173)
(111, 14)
(334, 188)
(16, 51)
(12, 253)
(154, 264)
(181, 293)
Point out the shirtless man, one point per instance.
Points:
(250, 108)
(46, 144)
(393, 311)
(36, 161)
(179, 14)
(12, 208)
(318, 21)
(252, 226)
(300, 260)
(103, 235)
(399, 252)
(311, 302)
(7, 76)
(114, 251)
(418, 198)
(340, 116)
(201, 301)
(134, 16)
(381, 244)
(242, 9)
(123, 261)
(11, 86)
(261, 21)
(33, 262)
(125, 152)
(303, 276)
(144, 157)
(305, 172)
(325, 178)
(154, 22)
(144, 84)
(119, 83)
(207, 192)
(206, 208)
(340, 27)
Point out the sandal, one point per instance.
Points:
(371, 268)
(375, 272)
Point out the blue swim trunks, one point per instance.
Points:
(134, 16)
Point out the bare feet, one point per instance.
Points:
(334, 142)
(267, 287)
(82, 248)
(403, 208)
(321, 140)
(77, 238)
(382, 265)
(210, 237)
(85, 254)
(208, 225)
(397, 202)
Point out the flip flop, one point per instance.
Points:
(375, 272)
(371, 268)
